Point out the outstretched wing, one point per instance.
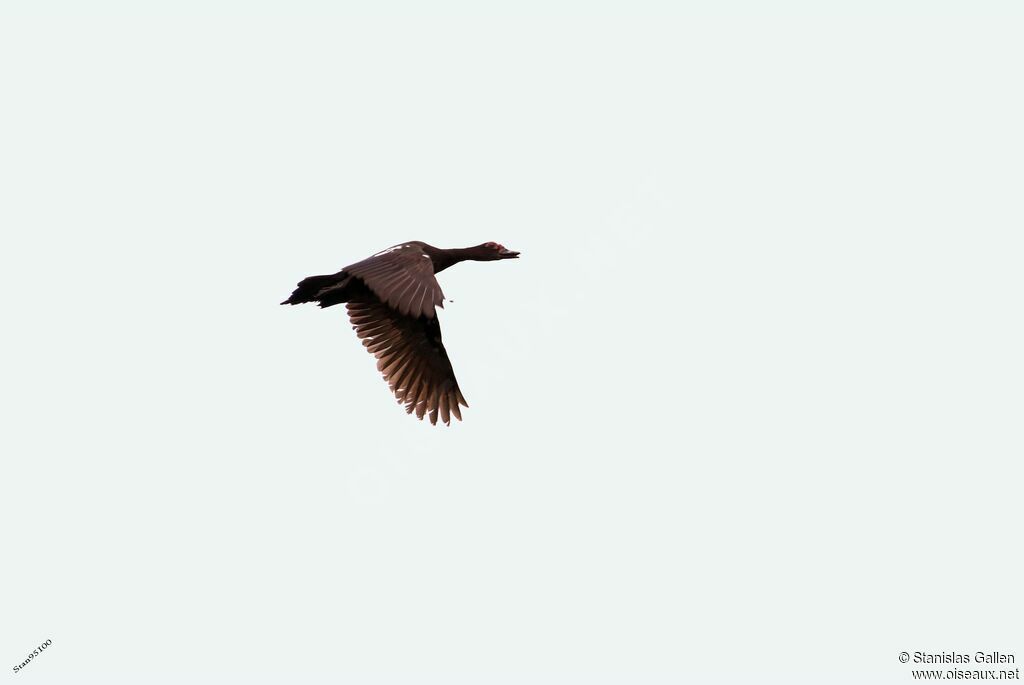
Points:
(402, 277)
(410, 356)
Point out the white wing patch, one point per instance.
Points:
(393, 248)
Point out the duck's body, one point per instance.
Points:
(391, 299)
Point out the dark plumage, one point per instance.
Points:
(391, 299)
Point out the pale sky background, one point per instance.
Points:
(747, 410)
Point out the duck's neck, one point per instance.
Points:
(442, 259)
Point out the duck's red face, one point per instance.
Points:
(500, 251)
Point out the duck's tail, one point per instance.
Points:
(325, 290)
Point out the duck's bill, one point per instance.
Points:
(504, 252)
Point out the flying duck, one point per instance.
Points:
(391, 298)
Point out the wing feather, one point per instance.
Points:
(410, 356)
(397, 274)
